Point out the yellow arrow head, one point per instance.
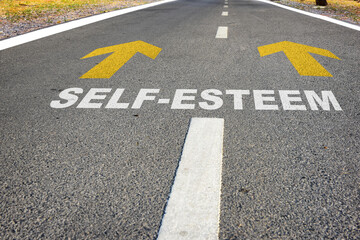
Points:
(120, 55)
(147, 49)
(298, 55)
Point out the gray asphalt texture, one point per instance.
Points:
(107, 173)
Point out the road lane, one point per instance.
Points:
(107, 173)
(287, 175)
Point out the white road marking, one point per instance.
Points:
(222, 32)
(225, 14)
(208, 99)
(193, 209)
(324, 101)
(164, 101)
(225, 6)
(260, 100)
(344, 24)
(45, 32)
(184, 95)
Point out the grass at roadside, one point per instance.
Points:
(15, 10)
(22, 16)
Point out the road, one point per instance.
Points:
(74, 166)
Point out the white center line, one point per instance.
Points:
(222, 32)
(225, 14)
(193, 209)
(225, 6)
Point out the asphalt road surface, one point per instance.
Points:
(74, 166)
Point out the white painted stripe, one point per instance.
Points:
(225, 14)
(45, 32)
(225, 6)
(164, 101)
(222, 32)
(338, 22)
(193, 209)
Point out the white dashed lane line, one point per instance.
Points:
(222, 32)
(193, 209)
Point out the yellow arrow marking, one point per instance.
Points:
(300, 58)
(120, 55)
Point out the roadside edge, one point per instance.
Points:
(332, 20)
(45, 32)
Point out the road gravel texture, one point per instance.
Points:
(107, 173)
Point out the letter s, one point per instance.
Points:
(66, 95)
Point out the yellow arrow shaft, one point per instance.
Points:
(109, 66)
